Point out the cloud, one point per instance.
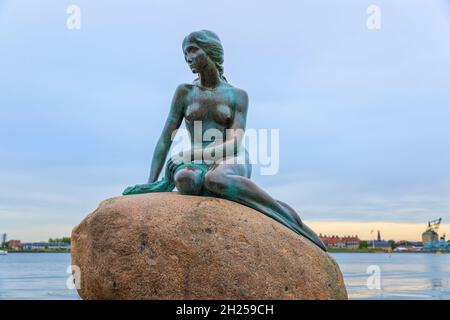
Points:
(335, 201)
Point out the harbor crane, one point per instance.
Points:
(434, 224)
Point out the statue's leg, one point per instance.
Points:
(308, 230)
(231, 182)
(189, 180)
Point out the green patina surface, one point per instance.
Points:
(217, 105)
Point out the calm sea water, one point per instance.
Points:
(401, 276)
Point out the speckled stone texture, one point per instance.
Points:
(171, 246)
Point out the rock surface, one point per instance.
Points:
(171, 246)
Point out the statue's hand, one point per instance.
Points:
(157, 186)
(129, 190)
(139, 188)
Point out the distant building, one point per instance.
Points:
(3, 238)
(379, 244)
(408, 246)
(331, 241)
(433, 246)
(14, 244)
(34, 246)
(351, 242)
(429, 235)
(438, 245)
(410, 243)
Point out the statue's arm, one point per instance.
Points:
(173, 122)
(234, 140)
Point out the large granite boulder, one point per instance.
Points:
(170, 246)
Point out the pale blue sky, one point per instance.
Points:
(363, 114)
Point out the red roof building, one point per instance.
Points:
(351, 242)
(13, 244)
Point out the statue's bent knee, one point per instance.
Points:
(215, 182)
(188, 181)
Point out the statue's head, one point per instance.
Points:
(201, 48)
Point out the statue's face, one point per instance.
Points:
(195, 57)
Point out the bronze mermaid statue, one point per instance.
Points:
(211, 103)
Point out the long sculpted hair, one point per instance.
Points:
(210, 43)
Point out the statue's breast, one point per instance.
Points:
(219, 113)
(195, 112)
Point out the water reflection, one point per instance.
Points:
(402, 275)
(35, 276)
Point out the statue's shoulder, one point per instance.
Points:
(184, 88)
(241, 93)
(241, 97)
(182, 93)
